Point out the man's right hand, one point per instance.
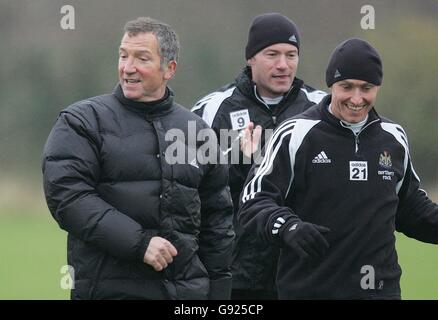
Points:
(159, 253)
(306, 239)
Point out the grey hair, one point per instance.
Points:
(168, 43)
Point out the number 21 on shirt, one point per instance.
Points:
(358, 170)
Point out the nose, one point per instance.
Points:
(129, 66)
(356, 98)
(282, 62)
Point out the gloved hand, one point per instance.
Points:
(306, 239)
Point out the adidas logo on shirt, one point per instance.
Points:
(321, 158)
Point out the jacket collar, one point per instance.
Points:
(328, 117)
(153, 108)
(245, 84)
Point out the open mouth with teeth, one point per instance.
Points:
(356, 108)
(132, 81)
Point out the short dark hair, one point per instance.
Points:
(168, 43)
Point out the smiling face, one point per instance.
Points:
(141, 74)
(353, 99)
(274, 68)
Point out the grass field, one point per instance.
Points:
(33, 250)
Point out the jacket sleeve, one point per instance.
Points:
(262, 205)
(216, 236)
(417, 215)
(71, 171)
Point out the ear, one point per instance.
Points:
(250, 61)
(170, 70)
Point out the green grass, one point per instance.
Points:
(419, 262)
(33, 250)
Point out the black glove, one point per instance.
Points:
(305, 238)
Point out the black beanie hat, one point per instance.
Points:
(268, 29)
(354, 59)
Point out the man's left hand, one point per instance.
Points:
(250, 141)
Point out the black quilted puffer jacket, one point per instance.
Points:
(108, 184)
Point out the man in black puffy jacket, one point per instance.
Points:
(264, 94)
(139, 226)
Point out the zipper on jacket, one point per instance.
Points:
(261, 100)
(356, 136)
(268, 110)
(356, 142)
(273, 117)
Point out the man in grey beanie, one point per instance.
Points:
(335, 184)
(265, 93)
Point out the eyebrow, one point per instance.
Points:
(137, 51)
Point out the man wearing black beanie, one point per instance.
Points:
(265, 93)
(335, 183)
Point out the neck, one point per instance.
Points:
(355, 127)
(271, 100)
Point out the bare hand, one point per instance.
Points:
(159, 253)
(249, 143)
